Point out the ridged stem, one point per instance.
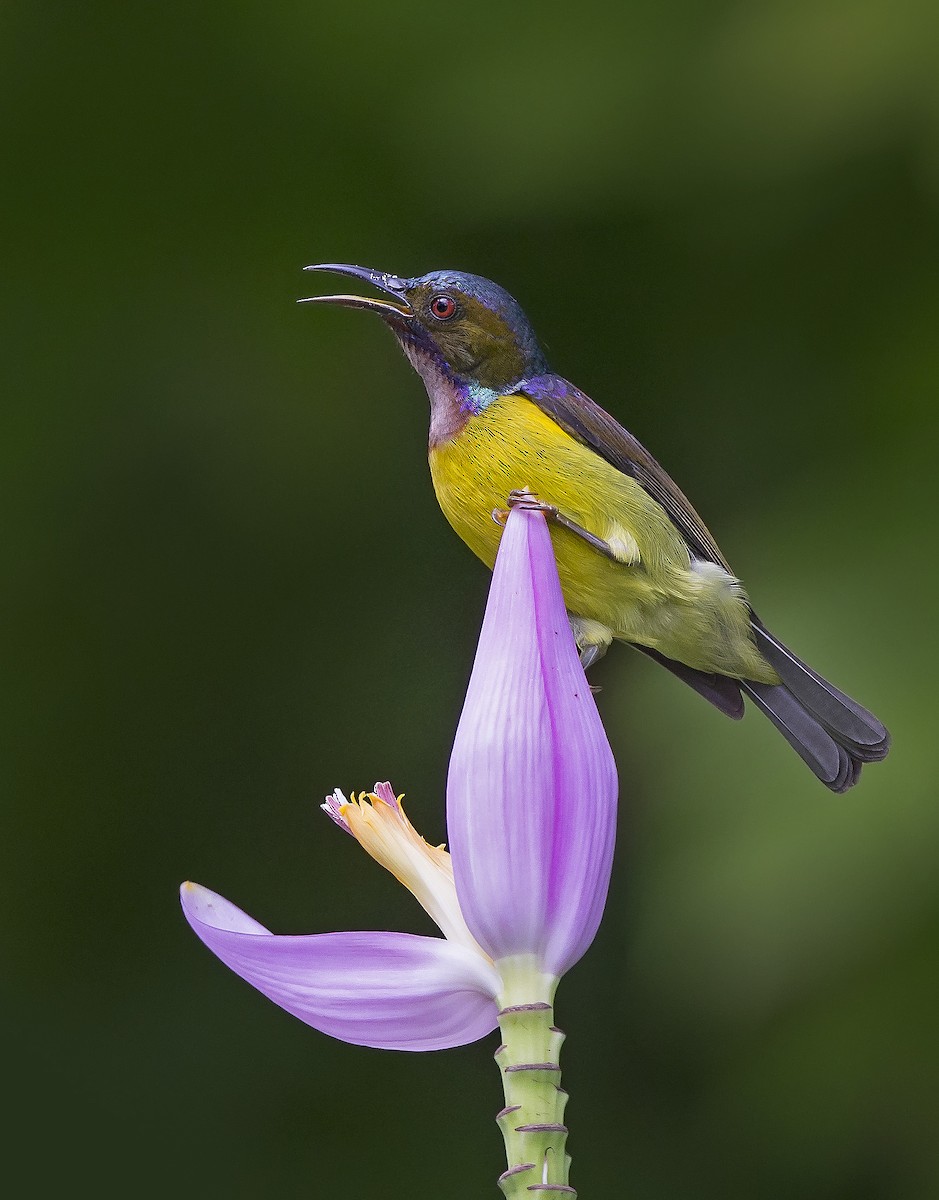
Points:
(532, 1121)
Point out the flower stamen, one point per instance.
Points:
(378, 822)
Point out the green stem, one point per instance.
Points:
(532, 1121)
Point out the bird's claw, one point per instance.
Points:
(526, 499)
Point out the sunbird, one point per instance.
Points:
(636, 562)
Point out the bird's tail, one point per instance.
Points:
(833, 734)
(829, 731)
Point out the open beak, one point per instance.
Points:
(394, 311)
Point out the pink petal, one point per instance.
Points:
(391, 990)
(531, 795)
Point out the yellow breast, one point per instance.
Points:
(653, 593)
(513, 444)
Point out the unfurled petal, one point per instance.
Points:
(395, 991)
(378, 822)
(531, 795)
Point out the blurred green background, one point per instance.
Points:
(228, 588)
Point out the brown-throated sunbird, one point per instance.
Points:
(636, 561)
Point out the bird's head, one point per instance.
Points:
(466, 327)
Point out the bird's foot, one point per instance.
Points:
(526, 499)
(590, 654)
(522, 498)
(592, 641)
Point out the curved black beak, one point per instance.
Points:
(396, 310)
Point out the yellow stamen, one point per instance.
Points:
(378, 823)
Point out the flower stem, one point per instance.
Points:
(532, 1121)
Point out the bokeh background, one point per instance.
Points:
(227, 587)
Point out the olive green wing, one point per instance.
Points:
(586, 421)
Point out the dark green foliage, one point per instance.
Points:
(229, 588)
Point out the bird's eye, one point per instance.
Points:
(443, 307)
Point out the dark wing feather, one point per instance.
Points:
(722, 691)
(586, 421)
(831, 732)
